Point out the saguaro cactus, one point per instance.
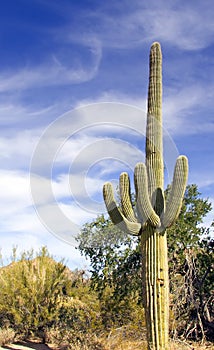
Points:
(152, 215)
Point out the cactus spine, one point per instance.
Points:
(153, 214)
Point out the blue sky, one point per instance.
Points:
(59, 57)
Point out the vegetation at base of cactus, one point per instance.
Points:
(153, 215)
(115, 260)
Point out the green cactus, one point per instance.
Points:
(153, 214)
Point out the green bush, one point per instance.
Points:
(38, 294)
(30, 291)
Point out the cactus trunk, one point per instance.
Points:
(154, 243)
(153, 214)
(155, 287)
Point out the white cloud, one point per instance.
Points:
(14, 192)
(176, 107)
(51, 73)
(17, 115)
(86, 150)
(180, 107)
(181, 110)
(22, 227)
(117, 97)
(16, 151)
(178, 23)
(186, 27)
(203, 179)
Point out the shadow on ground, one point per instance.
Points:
(27, 346)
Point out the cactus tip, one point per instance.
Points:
(155, 44)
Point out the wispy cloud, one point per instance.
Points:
(184, 26)
(176, 23)
(52, 73)
(16, 202)
(204, 179)
(181, 106)
(17, 113)
(181, 110)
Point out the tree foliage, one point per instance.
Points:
(114, 257)
(191, 253)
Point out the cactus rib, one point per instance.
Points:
(173, 204)
(144, 207)
(125, 195)
(115, 213)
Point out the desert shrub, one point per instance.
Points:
(77, 315)
(38, 293)
(30, 292)
(73, 339)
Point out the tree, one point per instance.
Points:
(113, 255)
(115, 262)
(191, 268)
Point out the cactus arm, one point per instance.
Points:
(174, 202)
(144, 207)
(125, 195)
(116, 215)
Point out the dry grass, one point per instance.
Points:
(118, 340)
(7, 335)
(109, 344)
(182, 345)
(176, 345)
(124, 338)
